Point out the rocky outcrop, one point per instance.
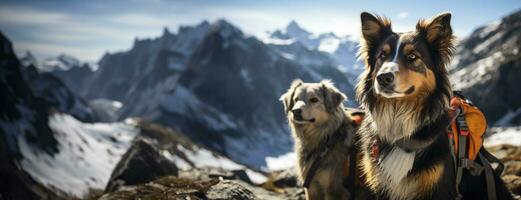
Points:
(202, 184)
(171, 187)
(142, 163)
(23, 116)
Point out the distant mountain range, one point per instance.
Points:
(340, 51)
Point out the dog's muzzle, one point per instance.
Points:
(297, 114)
(386, 80)
(385, 76)
(297, 117)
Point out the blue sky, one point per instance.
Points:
(88, 29)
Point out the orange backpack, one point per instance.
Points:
(471, 124)
(466, 134)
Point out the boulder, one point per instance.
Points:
(140, 164)
(227, 190)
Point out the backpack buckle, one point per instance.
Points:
(462, 125)
(474, 168)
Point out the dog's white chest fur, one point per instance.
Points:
(397, 164)
(395, 167)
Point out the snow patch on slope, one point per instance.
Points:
(329, 44)
(87, 154)
(504, 135)
(489, 28)
(106, 109)
(281, 162)
(478, 72)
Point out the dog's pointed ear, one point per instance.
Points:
(438, 34)
(332, 96)
(287, 98)
(435, 29)
(374, 28)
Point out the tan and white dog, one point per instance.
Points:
(316, 115)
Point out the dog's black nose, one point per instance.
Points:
(386, 79)
(297, 112)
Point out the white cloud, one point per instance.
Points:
(52, 33)
(403, 15)
(138, 20)
(28, 16)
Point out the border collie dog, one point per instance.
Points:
(405, 92)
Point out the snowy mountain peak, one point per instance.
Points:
(201, 26)
(341, 50)
(166, 31)
(62, 62)
(225, 28)
(68, 60)
(28, 59)
(294, 29)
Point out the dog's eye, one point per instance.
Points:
(313, 100)
(383, 56)
(296, 99)
(411, 56)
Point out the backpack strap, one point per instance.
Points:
(462, 160)
(489, 177)
(460, 156)
(487, 158)
(492, 159)
(455, 161)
